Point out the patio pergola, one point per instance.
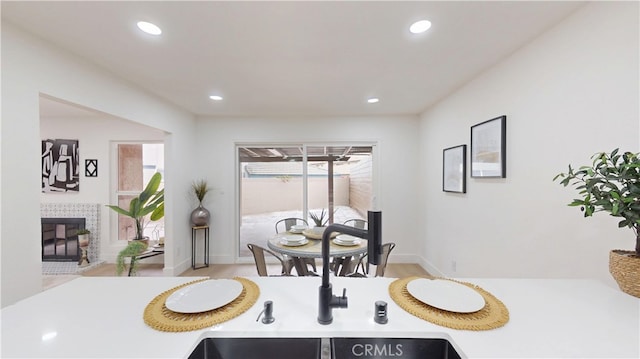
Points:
(329, 154)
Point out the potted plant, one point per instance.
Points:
(83, 237)
(318, 219)
(132, 250)
(200, 216)
(149, 202)
(612, 184)
(83, 243)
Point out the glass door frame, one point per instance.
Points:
(305, 203)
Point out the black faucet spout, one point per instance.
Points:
(326, 300)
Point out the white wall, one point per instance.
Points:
(30, 68)
(96, 144)
(571, 92)
(394, 174)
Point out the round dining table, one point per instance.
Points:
(311, 247)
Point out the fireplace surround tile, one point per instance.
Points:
(89, 211)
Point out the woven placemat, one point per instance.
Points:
(493, 315)
(157, 316)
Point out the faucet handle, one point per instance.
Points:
(344, 292)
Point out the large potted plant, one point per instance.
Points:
(612, 184)
(149, 202)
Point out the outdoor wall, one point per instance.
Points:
(30, 68)
(360, 186)
(394, 159)
(263, 195)
(570, 93)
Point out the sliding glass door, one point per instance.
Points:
(294, 180)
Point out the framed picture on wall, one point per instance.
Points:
(91, 168)
(454, 169)
(60, 166)
(489, 148)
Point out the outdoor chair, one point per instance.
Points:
(261, 262)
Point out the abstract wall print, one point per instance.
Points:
(489, 148)
(60, 166)
(454, 169)
(91, 168)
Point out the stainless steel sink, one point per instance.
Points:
(324, 348)
(419, 348)
(250, 348)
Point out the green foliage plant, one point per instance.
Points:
(319, 219)
(83, 231)
(133, 249)
(610, 184)
(150, 201)
(200, 189)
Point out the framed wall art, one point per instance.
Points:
(454, 169)
(60, 166)
(91, 168)
(489, 148)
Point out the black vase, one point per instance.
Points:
(200, 216)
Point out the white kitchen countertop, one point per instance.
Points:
(101, 317)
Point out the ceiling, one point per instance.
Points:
(291, 59)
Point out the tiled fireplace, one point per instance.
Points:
(91, 214)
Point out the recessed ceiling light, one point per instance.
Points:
(373, 100)
(215, 97)
(149, 28)
(420, 26)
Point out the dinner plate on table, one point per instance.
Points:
(347, 238)
(292, 238)
(446, 295)
(297, 228)
(284, 242)
(340, 242)
(204, 296)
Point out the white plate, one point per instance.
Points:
(284, 242)
(292, 238)
(446, 295)
(204, 296)
(297, 228)
(347, 238)
(347, 243)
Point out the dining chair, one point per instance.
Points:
(380, 268)
(285, 225)
(356, 222)
(261, 261)
(340, 265)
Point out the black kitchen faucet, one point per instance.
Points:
(326, 300)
